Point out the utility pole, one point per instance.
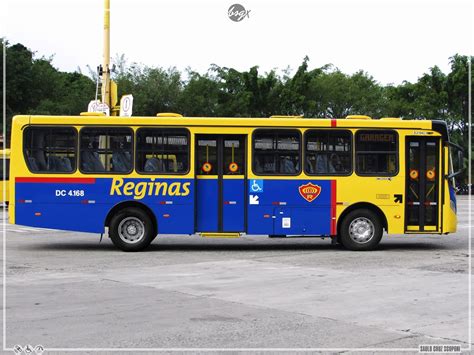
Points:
(106, 63)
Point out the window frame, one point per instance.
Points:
(396, 152)
(273, 130)
(132, 144)
(76, 147)
(351, 151)
(188, 155)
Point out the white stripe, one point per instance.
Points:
(32, 229)
(26, 229)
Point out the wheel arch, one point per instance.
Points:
(363, 205)
(126, 204)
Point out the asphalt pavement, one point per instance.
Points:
(67, 290)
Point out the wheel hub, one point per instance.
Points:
(131, 230)
(361, 230)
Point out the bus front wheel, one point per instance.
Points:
(131, 229)
(361, 230)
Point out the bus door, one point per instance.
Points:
(422, 184)
(220, 183)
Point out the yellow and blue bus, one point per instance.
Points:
(350, 179)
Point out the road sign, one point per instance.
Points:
(126, 104)
(97, 106)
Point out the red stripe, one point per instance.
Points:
(333, 122)
(333, 207)
(48, 180)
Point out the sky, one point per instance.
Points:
(393, 40)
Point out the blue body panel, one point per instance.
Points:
(272, 206)
(75, 217)
(234, 205)
(260, 219)
(303, 221)
(72, 204)
(290, 213)
(207, 205)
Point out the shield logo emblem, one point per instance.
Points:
(309, 191)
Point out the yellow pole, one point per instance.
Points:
(106, 72)
(106, 63)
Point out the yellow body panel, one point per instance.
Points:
(449, 218)
(352, 189)
(4, 185)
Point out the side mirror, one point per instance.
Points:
(456, 160)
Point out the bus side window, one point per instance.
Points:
(162, 150)
(50, 149)
(104, 150)
(276, 152)
(376, 152)
(328, 152)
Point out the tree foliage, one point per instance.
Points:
(35, 86)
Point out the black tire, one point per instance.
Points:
(131, 229)
(354, 238)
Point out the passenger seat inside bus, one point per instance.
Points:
(287, 166)
(309, 166)
(121, 161)
(323, 166)
(32, 164)
(58, 164)
(154, 165)
(38, 160)
(90, 161)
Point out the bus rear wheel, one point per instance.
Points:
(131, 229)
(361, 230)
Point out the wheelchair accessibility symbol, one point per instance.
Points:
(256, 186)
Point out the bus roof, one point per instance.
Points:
(231, 122)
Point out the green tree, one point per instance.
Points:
(34, 86)
(200, 96)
